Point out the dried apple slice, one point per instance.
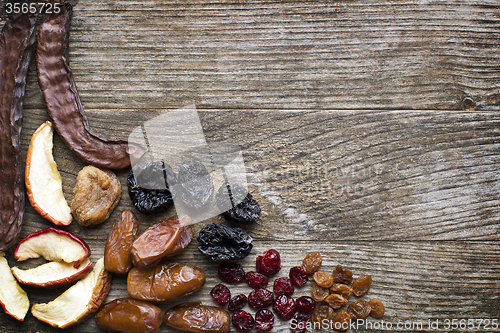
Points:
(43, 181)
(12, 298)
(52, 274)
(78, 302)
(54, 245)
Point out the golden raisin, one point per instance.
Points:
(361, 285)
(378, 308)
(321, 313)
(323, 279)
(335, 301)
(341, 321)
(359, 309)
(342, 275)
(318, 293)
(312, 262)
(341, 289)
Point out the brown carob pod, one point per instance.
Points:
(16, 46)
(63, 102)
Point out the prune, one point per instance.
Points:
(269, 263)
(283, 286)
(194, 185)
(237, 302)
(164, 282)
(129, 315)
(162, 239)
(312, 262)
(341, 289)
(221, 294)
(341, 321)
(237, 203)
(298, 276)
(378, 308)
(264, 320)
(361, 285)
(221, 241)
(150, 187)
(323, 279)
(125, 229)
(243, 321)
(285, 307)
(359, 309)
(322, 312)
(256, 280)
(305, 304)
(299, 323)
(318, 293)
(335, 301)
(342, 275)
(231, 272)
(260, 298)
(196, 317)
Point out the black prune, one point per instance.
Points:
(237, 203)
(195, 187)
(149, 187)
(221, 241)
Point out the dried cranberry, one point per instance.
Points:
(237, 302)
(243, 321)
(264, 320)
(305, 304)
(283, 286)
(269, 263)
(221, 294)
(260, 298)
(284, 306)
(256, 280)
(299, 323)
(231, 272)
(298, 276)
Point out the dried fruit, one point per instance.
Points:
(341, 289)
(322, 312)
(231, 272)
(95, 195)
(237, 203)
(195, 187)
(318, 293)
(16, 46)
(378, 308)
(256, 280)
(162, 239)
(164, 282)
(150, 187)
(269, 263)
(341, 321)
(221, 294)
(264, 320)
(243, 321)
(260, 298)
(221, 241)
(335, 301)
(285, 307)
(361, 285)
(13, 299)
(196, 317)
(359, 309)
(312, 262)
(299, 323)
(298, 276)
(237, 302)
(129, 315)
(117, 258)
(342, 275)
(63, 102)
(323, 279)
(305, 304)
(283, 286)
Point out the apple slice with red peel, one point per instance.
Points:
(13, 299)
(43, 181)
(54, 245)
(78, 302)
(52, 274)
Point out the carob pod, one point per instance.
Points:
(63, 102)
(16, 46)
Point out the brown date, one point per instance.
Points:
(130, 316)
(117, 258)
(164, 282)
(162, 239)
(196, 317)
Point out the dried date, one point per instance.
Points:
(221, 241)
(117, 258)
(196, 317)
(237, 203)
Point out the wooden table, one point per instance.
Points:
(370, 130)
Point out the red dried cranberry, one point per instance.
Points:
(256, 280)
(305, 304)
(221, 294)
(298, 276)
(264, 320)
(260, 298)
(269, 263)
(283, 286)
(231, 272)
(284, 306)
(243, 321)
(237, 302)
(299, 323)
